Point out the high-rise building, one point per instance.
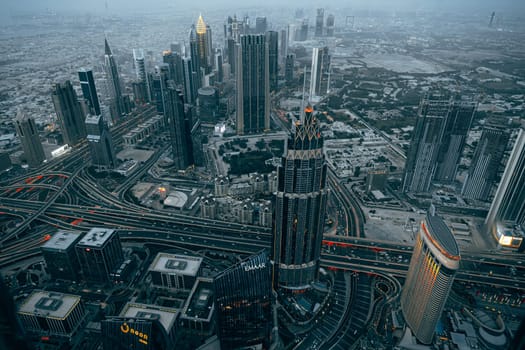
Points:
(174, 62)
(253, 85)
(195, 56)
(190, 80)
(457, 127)
(330, 24)
(69, 113)
(173, 271)
(289, 68)
(26, 130)
(232, 48)
(243, 302)
(433, 266)
(179, 127)
(142, 76)
(113, 82)
(319, 23)
(425, 145)
(486, 162)
(218, 62)
(509, 201)
(89, 91)
(273, 58)
(301, 33)
(300, 207)
(261, 25)
(203, 38)
(284, 44)
(100, 142)
(60, 255)
(159, 83)
(320, 75)
(99, 253)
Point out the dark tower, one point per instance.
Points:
(273, 58)
(457, 127)
(492, 19)
(179, 127)
(100, 142)
(89, 91)
(28, 134)
(195, 59)
(483, 171)
(69, 113)
(330, 23)
(300, 207)
(289, 68)
(253, 85)
(113, 81)
(319, 23)
(243, 299)
(426, 141)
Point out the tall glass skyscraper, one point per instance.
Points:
(69, 113)
(100, 142)
(179, 127)
(113, 81)
(30, 140)
(319, 22)
(243, 301)
(89, 91)
(320, 74)
(253, 85)
(486, 162)
(300, 207)
(433, 266)
(509, 201)
(273, 58)
(424, 149)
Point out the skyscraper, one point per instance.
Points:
(289, 68)
(69, 113)
(284, 44)
(190, 77)
(158, 88)
(100, 142)
(457, 127)
(330, 23)
(261, 25)
(319, 23)
(243, 300)
(89, 91)
(300, 207)
(28, 134)
(60, 256)
(140, 71)
(203, 44)
(426, 141)
(509, 201)
(113, 81)
(253, 85)
(433, 266)
(179, 127)
(273, 58)
(320, 75)
(174, 62)
(486, 162)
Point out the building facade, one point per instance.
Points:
(99, 253)
(89, 90)
(272, 38)
(253, 85)
(320, 74)
(179, 127)
(300, 207)
(319, 23)
(70, 116)
(113, 82)
(509, 201)
(430, 276)
(60, 255)
(28, 134)
(100, 142)
(243, 302)
(486, 162)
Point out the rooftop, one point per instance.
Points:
(97, 237)
(165, 315)
(442, 234)
(62, 240)
(200, 301)
(176, 264)
(49, 304)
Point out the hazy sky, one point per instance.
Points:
(513, 6)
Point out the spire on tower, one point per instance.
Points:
(201, 26)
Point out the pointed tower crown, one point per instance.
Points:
(201, 26)
(107, 50)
